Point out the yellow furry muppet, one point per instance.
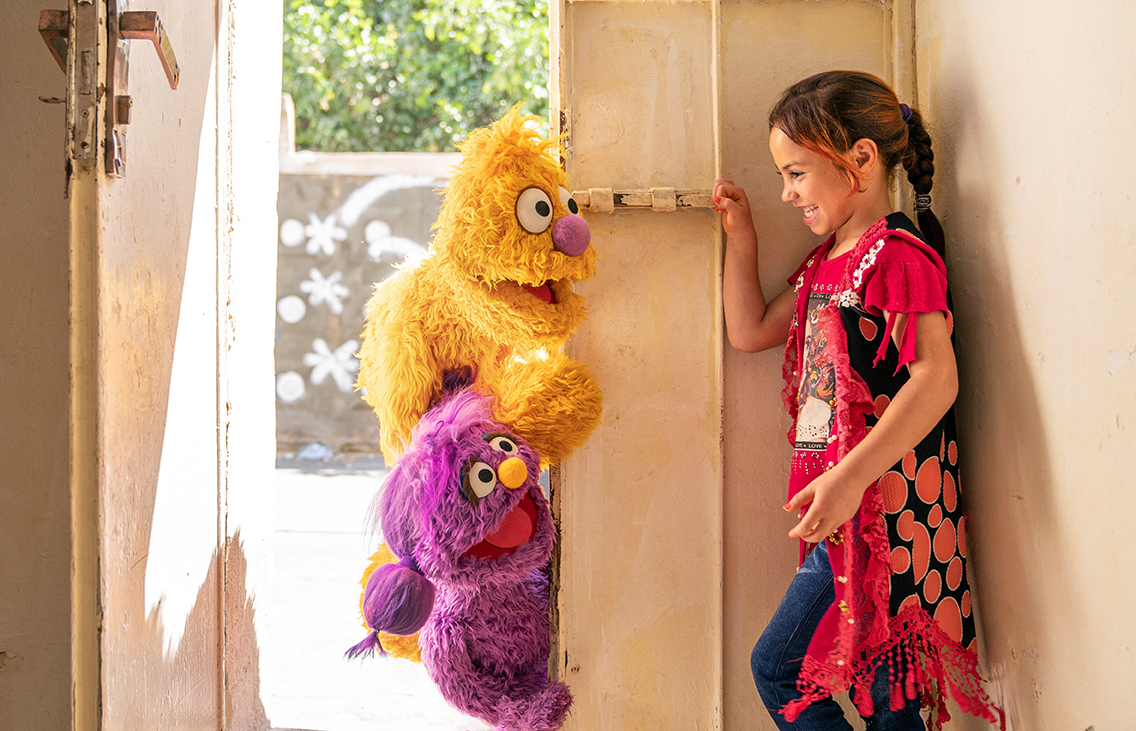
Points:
(494, 294)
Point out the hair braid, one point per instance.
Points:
(919, 162)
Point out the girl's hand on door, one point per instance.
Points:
(732, 203)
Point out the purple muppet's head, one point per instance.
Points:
(462, 507)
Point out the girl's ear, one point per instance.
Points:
(865, 155)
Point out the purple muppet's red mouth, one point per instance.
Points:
(517, 527)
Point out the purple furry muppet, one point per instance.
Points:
(469, 522)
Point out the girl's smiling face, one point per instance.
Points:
(815, 185)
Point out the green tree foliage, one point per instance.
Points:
(411, 75)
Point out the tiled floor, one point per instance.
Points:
(321, 551)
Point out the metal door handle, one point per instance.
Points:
(134, 25)
(145, 25)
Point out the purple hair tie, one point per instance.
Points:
(411, 563)
(906, 112)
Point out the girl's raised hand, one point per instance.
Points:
(731, 202)
(834, 502)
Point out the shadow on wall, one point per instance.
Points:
(1018, 556)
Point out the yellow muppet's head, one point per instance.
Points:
(509, 233)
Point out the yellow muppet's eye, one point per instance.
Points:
(569, 202)
(534, 210)
(480, 479)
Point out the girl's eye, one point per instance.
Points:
(534, 210)
(569, 202)
(479, 481)
(795, 174)
(503, 444)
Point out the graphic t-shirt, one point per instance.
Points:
(816, 401)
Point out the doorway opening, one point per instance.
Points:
(377, 94)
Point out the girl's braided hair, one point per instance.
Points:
(828, 112)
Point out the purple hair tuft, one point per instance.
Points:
(367, 647)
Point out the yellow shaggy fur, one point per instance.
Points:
(463, 305)
(397, 645)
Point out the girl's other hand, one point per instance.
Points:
(732, 203)
(834, 502)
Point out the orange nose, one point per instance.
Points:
(513, 473)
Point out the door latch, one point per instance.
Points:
(606, 200)
(142, 25)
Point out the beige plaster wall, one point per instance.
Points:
(35, 537)
(1033, 111)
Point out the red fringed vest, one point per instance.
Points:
(902, 595)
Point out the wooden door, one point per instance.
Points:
(674, 552)
(172, 249)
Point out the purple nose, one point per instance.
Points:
(571, 235)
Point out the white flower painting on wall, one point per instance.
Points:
(322, 235)
(329, 290)
(340, 364)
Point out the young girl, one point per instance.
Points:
(880, 605)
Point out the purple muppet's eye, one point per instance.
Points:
(504, 444)
(478, 480)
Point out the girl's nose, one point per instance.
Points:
(512, 472)
(571, 235)
(786, 195)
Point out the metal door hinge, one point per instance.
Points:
(606, 200)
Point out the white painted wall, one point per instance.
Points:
(1033, 108)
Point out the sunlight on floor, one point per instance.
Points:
(321, 550)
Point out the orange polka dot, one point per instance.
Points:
(909, 465)
(966, 603)
(868, 329)
(881, 403)
(893, 491)
(900, 560)
(905, 526)
(935, 517)
(953, 452)
(932, 587)
(921, 551)
(962, 536)
(911, 601)
(929, 480)
(949, 618)
(943, 447)
(954, 573)
(950, 494)
(945, 541)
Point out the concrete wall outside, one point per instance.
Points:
(346, 221)
(1033, 116)
(35, 498)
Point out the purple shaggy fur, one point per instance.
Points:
(486, 642)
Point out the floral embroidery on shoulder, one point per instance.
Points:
(866, 263)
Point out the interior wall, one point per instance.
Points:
(1033, 113)
(35, 508)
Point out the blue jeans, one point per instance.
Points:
(777, 657)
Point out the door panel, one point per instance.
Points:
(172, 376)
(673, 547)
